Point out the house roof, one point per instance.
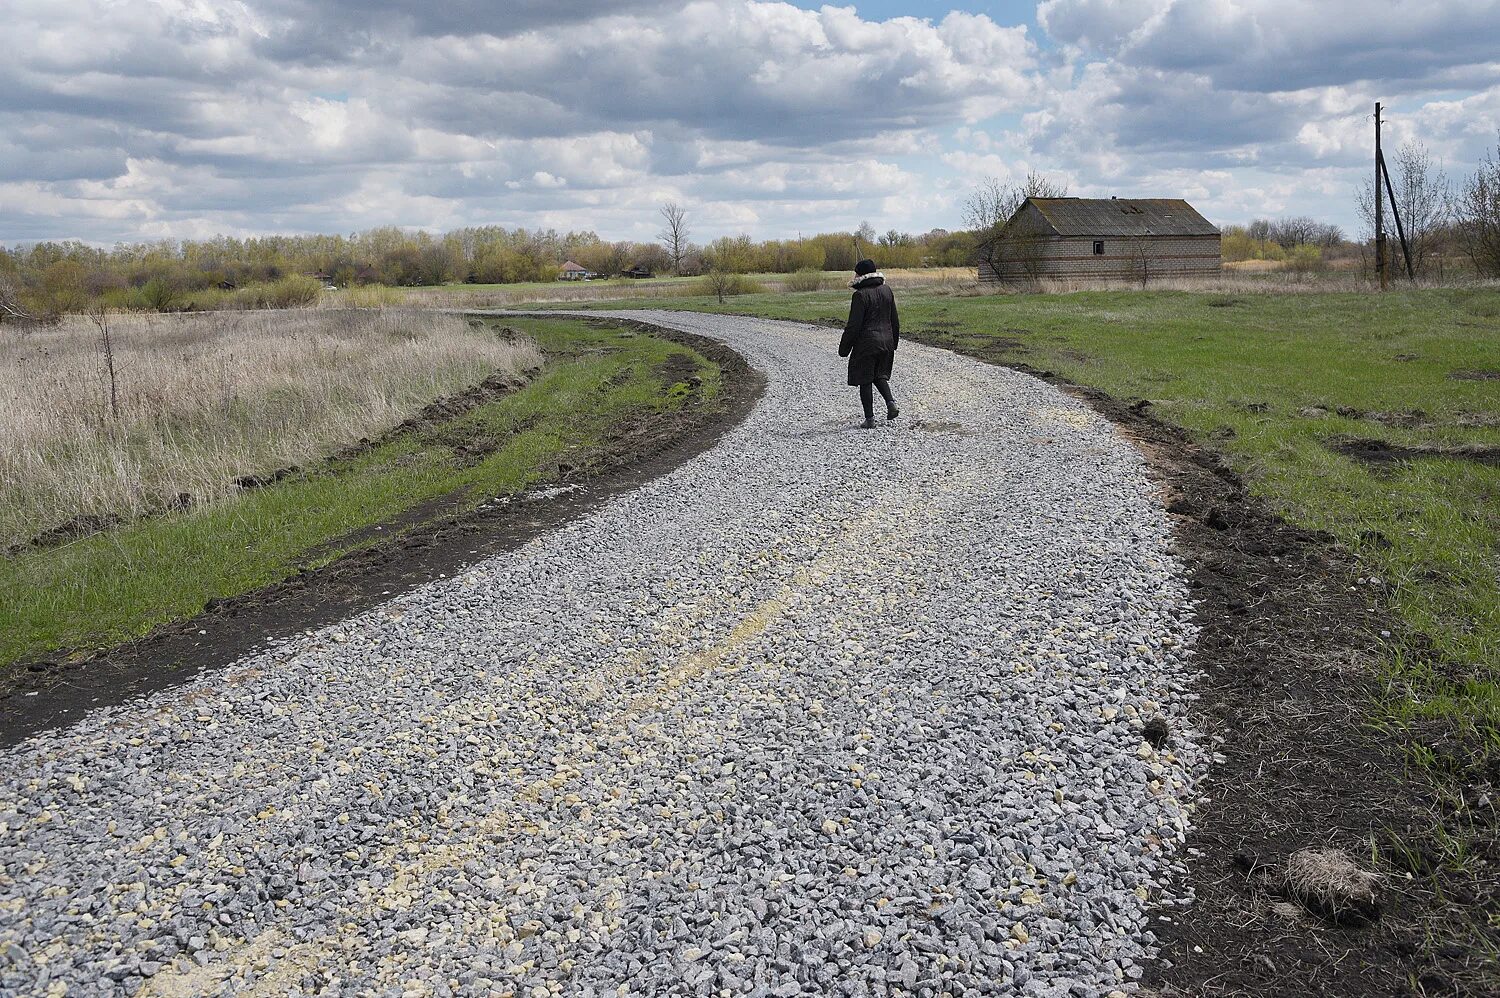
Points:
(1123, 217)
(570, 265)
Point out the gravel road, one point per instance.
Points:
(823, 711)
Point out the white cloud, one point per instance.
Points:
(1277, 45)
(1097, 24)
(400, 103)
(1261, 106)
(125, 118)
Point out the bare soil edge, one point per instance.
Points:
(57, 691)
(1289, 640)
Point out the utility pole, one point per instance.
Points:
(1383, 190)
(1379, 204)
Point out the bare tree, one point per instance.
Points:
(1330, 236)
(1021, 248)
(1296, 230)
(1423, 197)
(1476, 211)
(100, 319)
(992, 203)
(988, 211)
(674, 234)
(721, 283)
(1138, 252)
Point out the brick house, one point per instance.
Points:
(1101, 239)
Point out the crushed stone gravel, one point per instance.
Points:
(821, 712)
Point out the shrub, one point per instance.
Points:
(203, 300)
(1238, 245)
(120, 300)
(158, 294)
(721, 285)
(295, 291)
(1304, 259)
(805, 280)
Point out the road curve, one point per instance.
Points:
(822, 711)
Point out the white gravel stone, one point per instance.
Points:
(822, 711)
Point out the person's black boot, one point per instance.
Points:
(868, 424)
(891, 412)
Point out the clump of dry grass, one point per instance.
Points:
(935, 278)
(364, 296)
(205, 398)
(1329, 882)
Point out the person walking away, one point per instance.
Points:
(870, 339)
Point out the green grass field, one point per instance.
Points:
(122, 583)
(1245, 375)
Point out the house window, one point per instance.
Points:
(1098, 247)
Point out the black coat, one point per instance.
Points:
(872, 333)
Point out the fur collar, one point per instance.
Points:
(860, 282)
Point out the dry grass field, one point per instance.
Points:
(200, 399)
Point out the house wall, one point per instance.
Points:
(1057, 258)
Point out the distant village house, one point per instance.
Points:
(574, 272)
(1101, 239)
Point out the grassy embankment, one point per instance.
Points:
(1246, 376)
(125, 581)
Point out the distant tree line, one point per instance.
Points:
(50, 278)
(1299, 242)
(1443, 221)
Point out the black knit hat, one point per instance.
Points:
(864, 267)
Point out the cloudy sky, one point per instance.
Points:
(145, 119)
